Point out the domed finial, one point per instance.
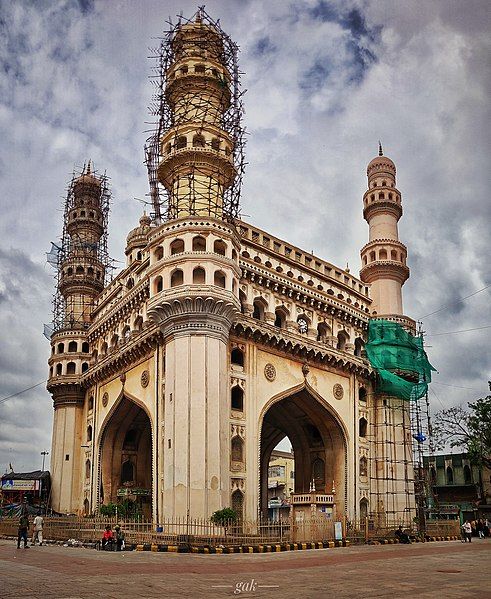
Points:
(380, 151)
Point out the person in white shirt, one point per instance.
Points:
(467, 528)
(37, 530)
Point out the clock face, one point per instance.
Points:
(302, 325)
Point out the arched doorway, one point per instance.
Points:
(318, 444)
(126, 457)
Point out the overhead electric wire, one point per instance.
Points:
(20, 392)
(488, 326)
(456, 386)
(455, 302)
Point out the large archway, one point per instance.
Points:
(318, 443)
(126, 457)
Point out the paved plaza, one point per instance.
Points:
(439, 569)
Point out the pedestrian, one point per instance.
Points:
(22, 530)
(467, 528)
(486, 527)
(402, 536)
(119, 538)
(107, 538)
(37, 530)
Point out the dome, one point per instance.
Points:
(87, 177)
(381, 163)
(138, 236)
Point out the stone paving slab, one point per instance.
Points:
(440, 569)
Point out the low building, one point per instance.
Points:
(32, 487)
(281, 478)
(456, 488)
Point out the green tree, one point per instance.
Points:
(468, 428)
(224, 517)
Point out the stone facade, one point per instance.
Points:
(216, 341)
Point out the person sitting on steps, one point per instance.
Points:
(107, 539)
(402, 536)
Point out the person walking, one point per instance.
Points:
(480, 528)
(37, 530)
(467, 531)
(22, 530)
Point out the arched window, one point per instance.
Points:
(220, 247)
(127, 472)
(362, 395)
(382, 255)
(393, 255)
(362, 427)
(234, 255)
(381, 196)
(79, 270)
(199, 68)
(432, 476)
(59, 369)
(237, 398)
(159, 252)
(181, 142)
(104, 348)
(372, 256)
(126, 332)
(86, 507)
(87, 468)
(237, 449)
(280, 318)
(215, 143)
(242, 300)
(177, 278)
(449, 476)
(70, 368)
(219, 279)
(85, 366)
(342, 340)
(363, 466)
(363, 508)
(198, 141)
(259, 307)
(91, 403)
(199, 244)
(319, 474)
(130, 283)
(89, 433)
(90, 271)
(237, 357)
(467, 475)
(199, 276)
(114, 341)
(238, 504)
(85, 347)
(177, 247)
(158, 284)
(323, 332)
(138, 324)
(72, 346)
(61, 348)
(359, 346)
(69, 272)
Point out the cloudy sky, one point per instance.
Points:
(325, 81)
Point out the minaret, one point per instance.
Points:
(81, 274)
(384, 256)
(194, 272)
(197, 165)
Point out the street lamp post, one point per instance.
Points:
(44, 454)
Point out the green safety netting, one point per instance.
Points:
(397, 355)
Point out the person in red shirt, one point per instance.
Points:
(107, 538)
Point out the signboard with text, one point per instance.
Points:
(20, 485)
